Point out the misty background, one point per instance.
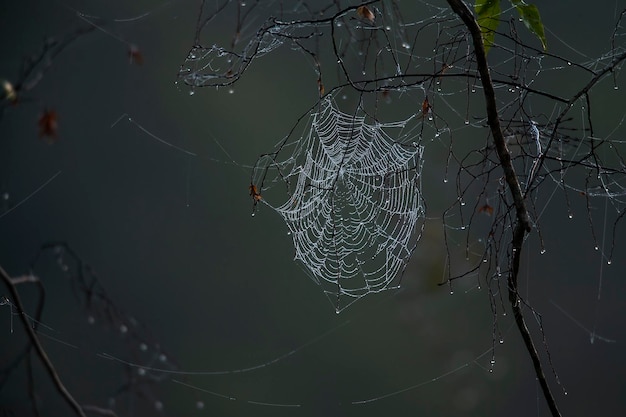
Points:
(171, 238)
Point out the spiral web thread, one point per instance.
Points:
(354, 201)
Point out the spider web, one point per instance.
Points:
(400, 63)
(354, 200)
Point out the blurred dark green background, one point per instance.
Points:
(171, 238)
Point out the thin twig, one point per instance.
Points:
(38, 348)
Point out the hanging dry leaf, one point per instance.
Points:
(8, 92)
(320, 86)
(426, 107)
(254, 193)
(48, 126)
(365, 13)
(386, 95)
(444, 68)
(135, 55)
(486, 209)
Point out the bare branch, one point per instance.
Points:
(38, 347)
(523, 224)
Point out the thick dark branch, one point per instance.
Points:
(38, 348)
(492, 110)
(518, 240)
(523, 224)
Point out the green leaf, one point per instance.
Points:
(532, 20)
(488, 17)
